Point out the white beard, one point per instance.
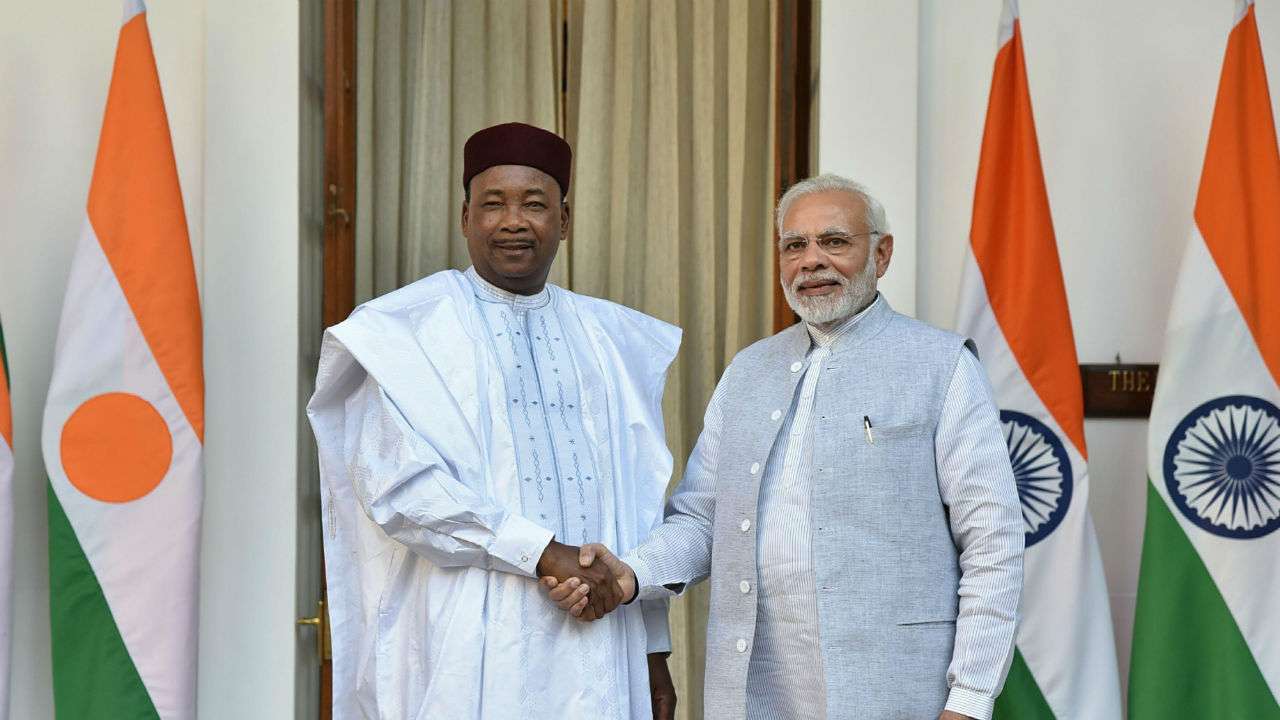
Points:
(854, 294)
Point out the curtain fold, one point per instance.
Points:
(670, 113)
(430, 73)
(669, 107)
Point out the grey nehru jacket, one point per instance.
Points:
(916, 536)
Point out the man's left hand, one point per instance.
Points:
(661, 689)
(950, 715)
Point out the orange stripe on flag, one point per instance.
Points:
(1014, 246)
(135, 207)
(6, 410)
(1238, 206)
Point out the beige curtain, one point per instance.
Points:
(669, 109)
(670, 113)
(430, 73)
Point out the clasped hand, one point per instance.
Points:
(587, 582)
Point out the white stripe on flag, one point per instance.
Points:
(149, 586)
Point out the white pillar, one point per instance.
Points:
(251, 250)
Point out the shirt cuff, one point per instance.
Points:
(645, 587)
(518, 545)
(971, 703)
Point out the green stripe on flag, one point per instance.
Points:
(1021, 698)
(1190, 659)
(93, 675)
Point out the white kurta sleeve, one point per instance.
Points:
(656, 628)
(976, 483)
(678, 552)
(407, 489)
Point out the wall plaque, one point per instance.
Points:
(1119, 390)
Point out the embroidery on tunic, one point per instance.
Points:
(511, 334)
(550, 460)
(546, 338)
(564, 418)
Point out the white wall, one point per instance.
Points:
(1122, 93)
(229, 76)
(868, 74)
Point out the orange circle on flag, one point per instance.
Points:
(116, 447)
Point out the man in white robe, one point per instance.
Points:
(474, 429)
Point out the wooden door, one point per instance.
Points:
(794, 80)
(337, 292)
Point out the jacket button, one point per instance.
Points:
(795, 367)
(775, 414)
(745, 587)
(746, 525)
(755, 468)
(742, 645)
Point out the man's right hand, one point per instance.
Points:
(598, 589)
(573, 596)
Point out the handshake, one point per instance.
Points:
(587, 582)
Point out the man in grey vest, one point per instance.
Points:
(850, 498)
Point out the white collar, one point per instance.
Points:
(487, 291)
(824, 338)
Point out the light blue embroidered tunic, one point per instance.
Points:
(559, 483)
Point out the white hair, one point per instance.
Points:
(830, 182)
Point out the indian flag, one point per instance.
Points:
(1206, 638)
(1014, 305)
(124, 423)
(6, 530)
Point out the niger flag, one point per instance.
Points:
(1206, 636)
(124, 423)
(1014, 305)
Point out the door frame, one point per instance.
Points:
(337, 294)
(793, 118)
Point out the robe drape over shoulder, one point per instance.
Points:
(435, 607)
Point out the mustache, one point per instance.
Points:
(818, 276)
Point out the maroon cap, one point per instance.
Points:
(517, 144)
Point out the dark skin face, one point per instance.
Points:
(513, 223)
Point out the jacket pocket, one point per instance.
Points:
(926, 605)
(883, 437)
(929, 623)
(924, 612)
(896, 432)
